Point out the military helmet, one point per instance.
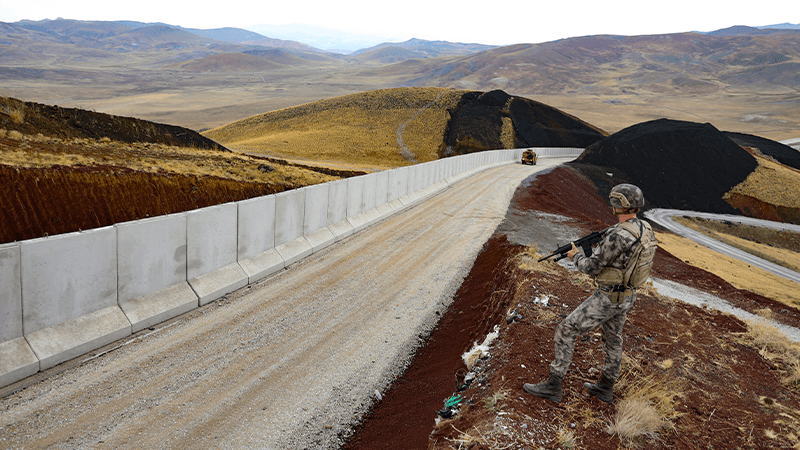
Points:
(626, 196)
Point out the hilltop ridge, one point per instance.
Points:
(394, 127)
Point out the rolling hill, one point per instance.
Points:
(686, 63)
(394, 127)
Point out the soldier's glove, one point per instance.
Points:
(574, 251)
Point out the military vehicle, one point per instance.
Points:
(529, 157)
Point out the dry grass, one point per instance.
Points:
(500, 436)
(367, 129)
(635, 417)
(13, 134)
(41, 152)
(775, 346)
(735, 272)
(495, 401)
(778, 247)
(648, 403)
(772, 183)
(787, 423)
(16, 113)
(566, 438)
(528, 261)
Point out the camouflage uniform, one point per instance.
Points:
(598, 309)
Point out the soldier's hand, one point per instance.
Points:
(574, 251)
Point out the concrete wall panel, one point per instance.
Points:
(424, 176)
(412, 177)
(355, 196)
(151, 255)
(289, 216)
(449, 167)
(427, 174)
(256, 224)
(316, 208)
(370, 196)
(67, 276)
(211, 239)
(381, 188)
(10, 293)
(212, 235)
(337, 201)
(398, 183)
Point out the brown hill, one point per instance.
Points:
(387, 55)
(230, 62)
(394, 127)
(681, 63)
(420, 48)
(161, 37)
(32, 118)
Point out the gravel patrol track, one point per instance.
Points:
(664, 218)
(287, 363)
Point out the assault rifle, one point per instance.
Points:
(585, 243)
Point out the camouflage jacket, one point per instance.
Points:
(614, 250)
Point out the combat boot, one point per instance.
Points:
(603, 389)
(550, 389)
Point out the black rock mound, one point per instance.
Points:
(679, 165)
(477, 124)
(782, 153)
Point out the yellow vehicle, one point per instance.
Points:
(529, 157)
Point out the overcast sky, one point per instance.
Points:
(486, 22)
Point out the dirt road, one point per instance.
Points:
(290, 362)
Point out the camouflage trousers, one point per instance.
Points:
(595, 311)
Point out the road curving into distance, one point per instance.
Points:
(289, 362)
(664, 218)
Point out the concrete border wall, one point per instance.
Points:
(62, 296)
(151, 270)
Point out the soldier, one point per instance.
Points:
(620, 263)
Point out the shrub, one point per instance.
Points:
(17, 114)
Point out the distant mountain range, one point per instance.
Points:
(306, 37)
(754, 31)
(735, 59)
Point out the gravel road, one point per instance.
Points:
(288, 363)
(664, 218)
(702, 299)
